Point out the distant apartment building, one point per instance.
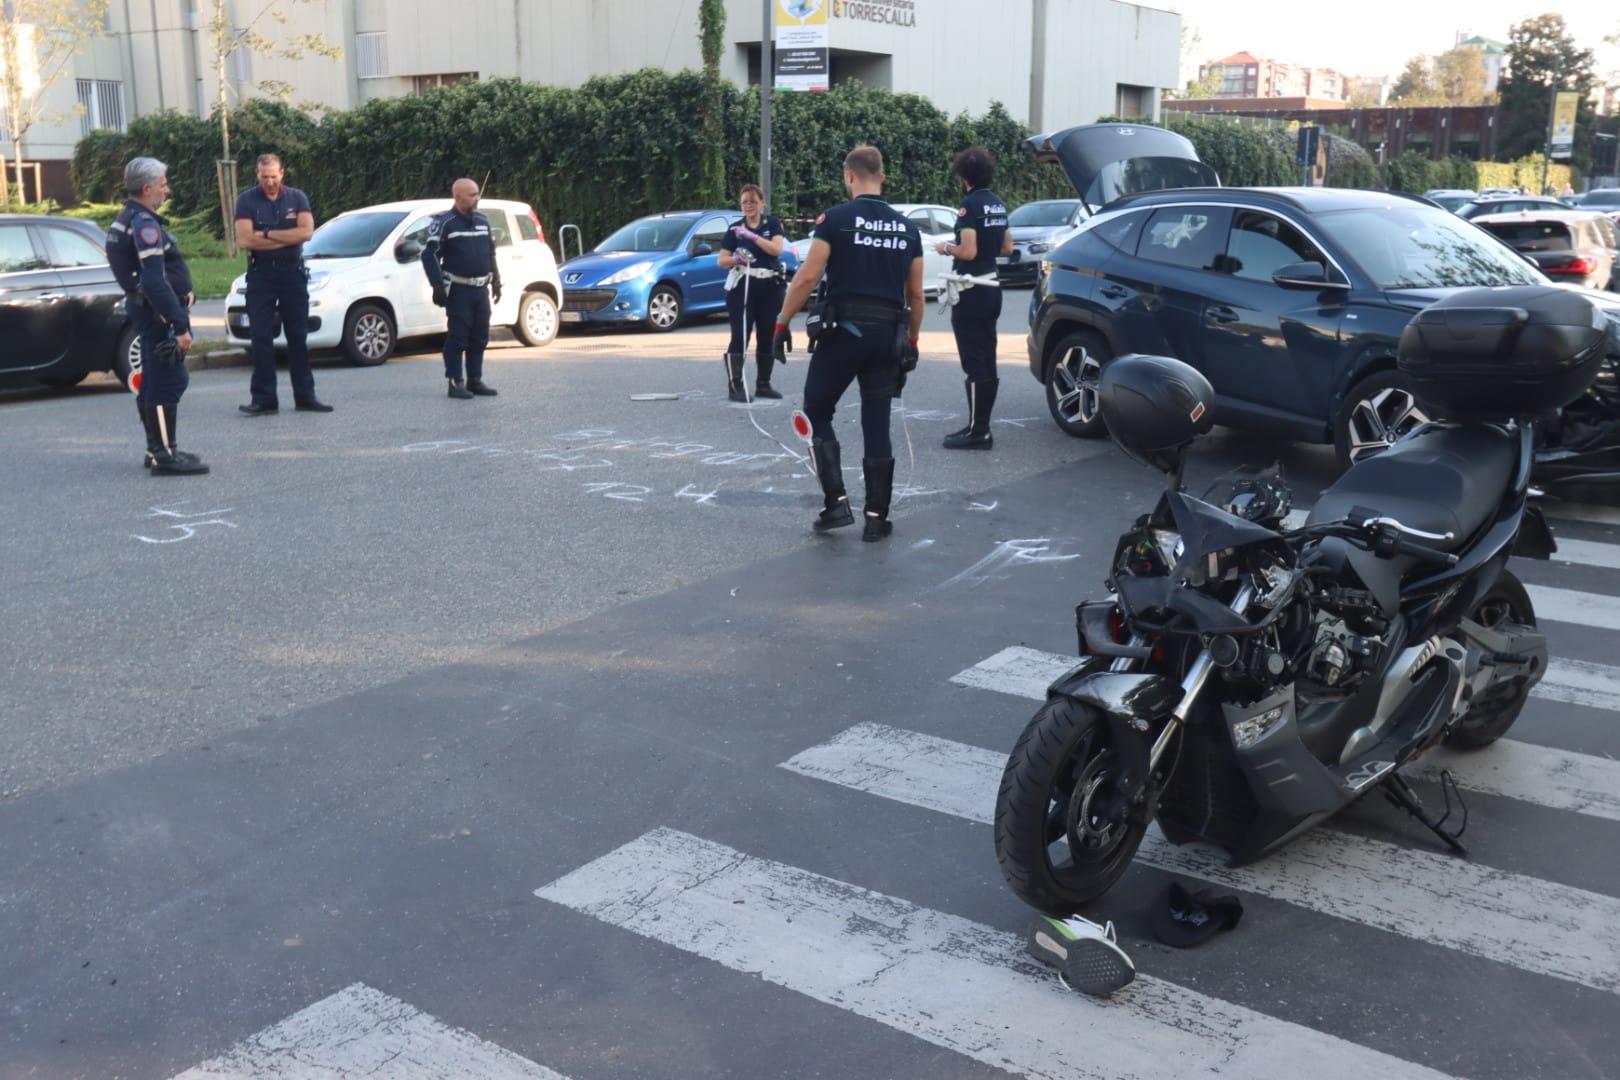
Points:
(1244, 75)
(1494, 53)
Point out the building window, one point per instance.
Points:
(371, 55)
(1133, 102)
(101, 105)
(424, 83)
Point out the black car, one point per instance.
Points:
(1289, 300)
(61, 311)
(1508, 204)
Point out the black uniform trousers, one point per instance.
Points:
(278, 286)
(864, 353)
(468, 309)
(161, 384)
(973, 321)
(764, 301)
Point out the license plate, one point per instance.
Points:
(573, 316)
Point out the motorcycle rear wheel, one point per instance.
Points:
(1062, 834)
(1507, 601)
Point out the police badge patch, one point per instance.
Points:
(150, 234)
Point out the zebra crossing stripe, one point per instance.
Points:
(1534, 925)
(947, 980)
(359, 1031)
(1594, 515)
(1558, 779)
(1570, 606)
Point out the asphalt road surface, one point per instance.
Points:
(538, 736)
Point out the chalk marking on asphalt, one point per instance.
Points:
(1534, 925)
(1005, 555)
(949, 981)
(359, 1031)
(1558, 779)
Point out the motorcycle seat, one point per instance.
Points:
(1439, 480)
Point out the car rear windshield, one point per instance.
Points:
(1601, 197)
(1042, 214)
(352, 236)
(650, 234)
(1420, 247)
(1533, 235)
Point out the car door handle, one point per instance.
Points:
(1113, 292)
(1221, 314)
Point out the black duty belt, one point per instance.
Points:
(866, 309)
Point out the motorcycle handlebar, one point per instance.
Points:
(1425, 552)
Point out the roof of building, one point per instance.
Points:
(1485, 43)
(1240, 58)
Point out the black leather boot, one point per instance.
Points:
(981, 400)
(835, 511)
(479, 388)
(762, 384)
(166, 460)
(734, 377)
(879, 490)
(152, 441)
(459, 391)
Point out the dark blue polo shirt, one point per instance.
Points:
(873, 248)
(278, 213)
(982, 211)
(770, 226)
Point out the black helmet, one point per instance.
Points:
(1154, 406)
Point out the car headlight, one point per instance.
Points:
(1039, 248)
(629, 273)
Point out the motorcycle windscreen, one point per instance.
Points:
(1105, 162)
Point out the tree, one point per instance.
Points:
(1415, 86)
(712, 39)
(1365, 93)
(1459, 76)
(1542, 59)
(1206, 85)
(37, 40)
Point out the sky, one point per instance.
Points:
(1375, 37)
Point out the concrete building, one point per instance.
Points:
(1244, 75)
(1057, 62)
(1493, 53)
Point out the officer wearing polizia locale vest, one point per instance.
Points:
(973, 293)
(866, 331)
(272, 222)
(157, 296)
(460, 263)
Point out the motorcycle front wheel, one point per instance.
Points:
(1063, 831)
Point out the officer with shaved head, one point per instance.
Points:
(460, 263)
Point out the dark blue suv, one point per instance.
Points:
(1289, 300)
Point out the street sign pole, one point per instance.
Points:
(767, 68)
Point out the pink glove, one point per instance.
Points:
(746, 233)
(743, 255)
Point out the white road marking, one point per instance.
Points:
(1569, 606)
(359, 1031)
(1595, 515)
(1537, 926)
(1555, 778)
(954, 983)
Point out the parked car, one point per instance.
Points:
(1038, 227)
(1574, 247)
(653, 272)
(1498, 192)
(1291, 301)
(1510, 204)
(367, 289)
(934, 222)
(62, 312)
(1452, 199)
(1604, 199)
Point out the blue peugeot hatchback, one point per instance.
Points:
(654, 272)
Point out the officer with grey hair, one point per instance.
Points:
(158, 297)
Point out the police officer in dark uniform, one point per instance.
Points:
(460, 263)
(981, 235)
(873, 259)
(272, 223)
(752, 252)
(157, 293)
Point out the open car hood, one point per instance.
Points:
(1105, 162)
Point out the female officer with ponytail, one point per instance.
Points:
(752, 252)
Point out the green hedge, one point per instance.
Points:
(595, 156)
(1413, 172)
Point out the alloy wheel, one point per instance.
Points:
(1077, 377)
(1380, 421)
(372, 337)
(540, 320)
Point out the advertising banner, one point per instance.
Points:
(803, 59)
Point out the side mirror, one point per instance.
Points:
(409, 249)
(700, 249)
(1304, 275)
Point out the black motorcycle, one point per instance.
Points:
(1245, 681)
(1578, 448)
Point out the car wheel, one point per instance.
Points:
(1071, 391)
(663, 309)
(369, 335)
(537, 319)
(126, 355)
(1377, 412)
